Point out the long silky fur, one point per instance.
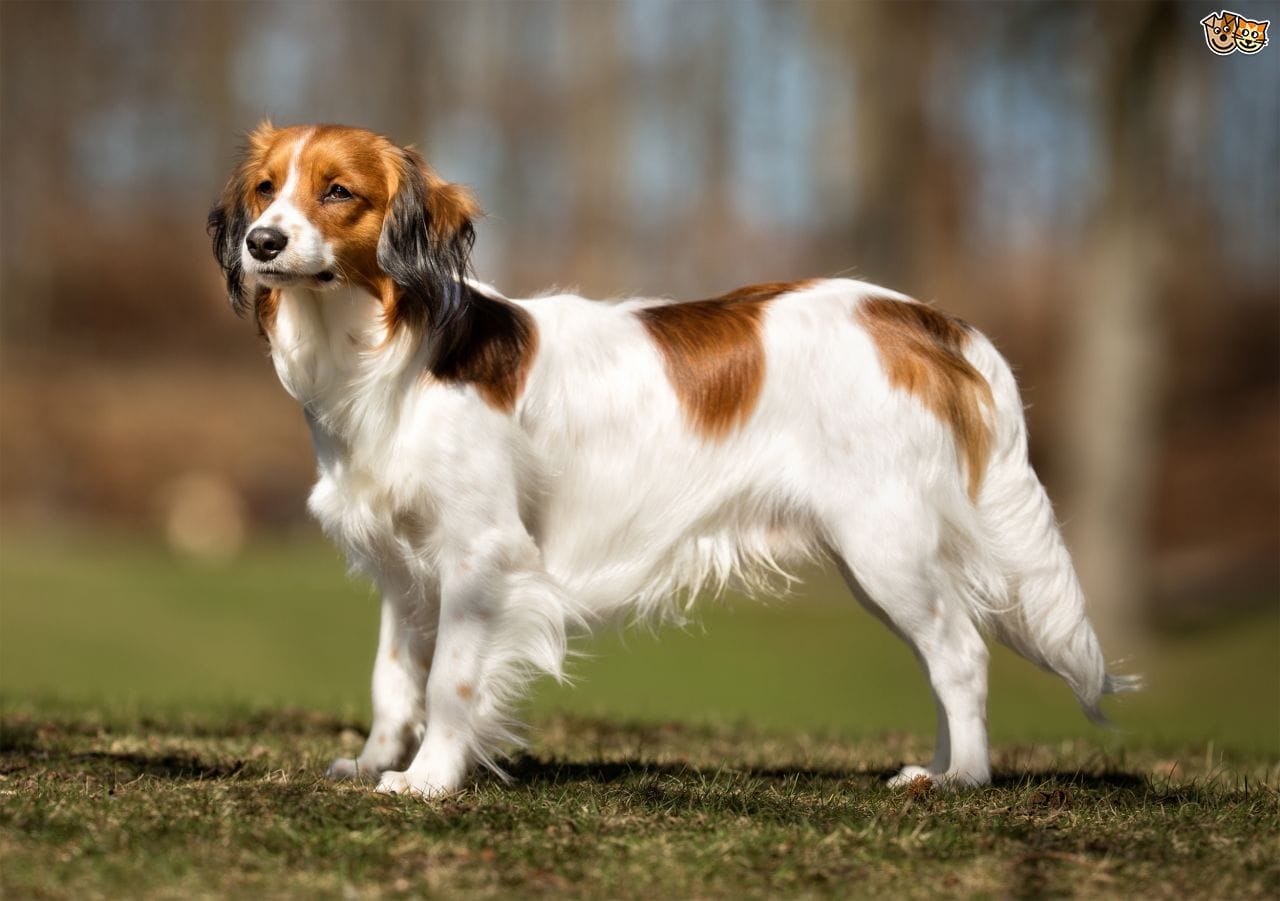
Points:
(227, 224)
(428, 265)
(527, 468)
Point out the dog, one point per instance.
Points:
(510, 472)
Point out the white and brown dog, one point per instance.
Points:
(510, 471)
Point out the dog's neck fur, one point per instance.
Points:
(335, 354)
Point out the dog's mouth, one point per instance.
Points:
(282, 278)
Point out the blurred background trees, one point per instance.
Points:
(1086, 183)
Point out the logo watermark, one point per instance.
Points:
(1226, 32)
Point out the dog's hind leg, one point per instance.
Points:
(888, 552)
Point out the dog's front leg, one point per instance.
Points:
(405, 646)
(468, 643)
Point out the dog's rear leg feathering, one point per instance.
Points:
(1043, 616)
(940, 566)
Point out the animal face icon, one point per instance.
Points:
(1220, 32)
(1250, 36)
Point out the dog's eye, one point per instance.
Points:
(266, 189)
(337, 192)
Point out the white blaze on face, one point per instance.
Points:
(307, 253)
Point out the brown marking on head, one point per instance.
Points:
(394, 653)
(922, 351)
(396, 229)
(714, 354)
(465, 691)
(345, 179)
(452, 207)
(356, 162)
(328, 157)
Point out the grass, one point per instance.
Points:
(164, 725)
(231, 805)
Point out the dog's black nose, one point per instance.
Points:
(265, 243)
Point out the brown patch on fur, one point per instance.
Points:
(451, 206)
(356, 160)
(714, 355)
(329, 155)
(495, 352)
(265, 306)
(922, 351)
(465, 691)
(394, 653)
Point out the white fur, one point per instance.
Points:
(492, 536)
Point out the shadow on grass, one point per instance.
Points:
(25, 751)
(177, 767)
(27, 744)
(18, 737)
(531, 771)
(114, 766)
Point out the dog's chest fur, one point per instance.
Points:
(358, 393)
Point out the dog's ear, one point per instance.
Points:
(425, 248)
(229, 218)
(228, 221)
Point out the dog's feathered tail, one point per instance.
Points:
(1042, 613)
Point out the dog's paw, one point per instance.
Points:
(343, 768)
(920, 777)
(908, 775)
(411, 783)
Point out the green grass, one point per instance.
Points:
(164, 725)
(232, 805)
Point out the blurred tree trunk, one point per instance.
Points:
(1115, 367)
(35, 187)
(595, 126)
(910, 188)
(219, 35)
(411, 49)
(890, 140)
(890, 132)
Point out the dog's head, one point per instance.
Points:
(315, 207)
